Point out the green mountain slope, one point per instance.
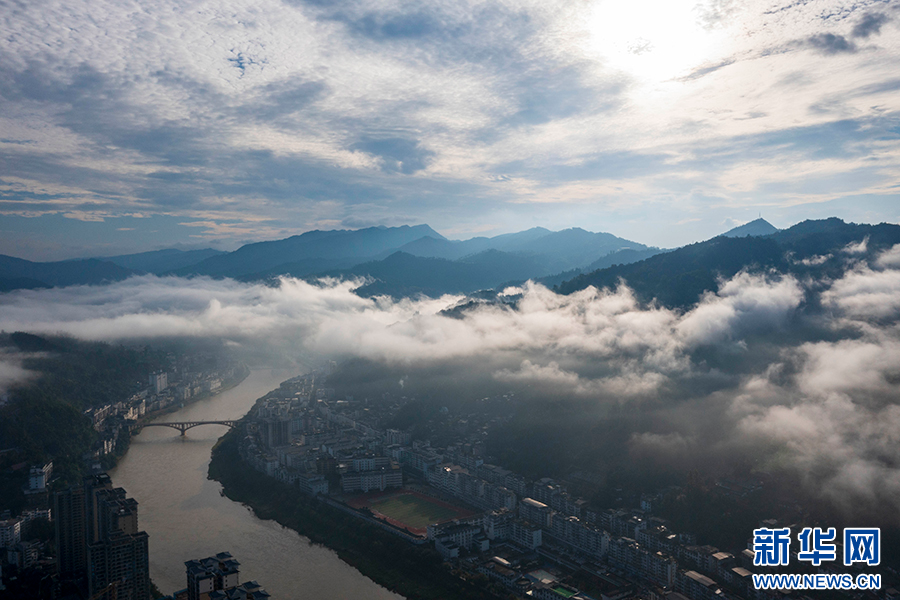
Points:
(680, 277)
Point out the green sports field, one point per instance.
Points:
(412, 511)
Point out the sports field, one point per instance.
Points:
(414, 511)
(408, 509)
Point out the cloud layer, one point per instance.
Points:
(757, 369)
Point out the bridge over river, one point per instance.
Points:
(183, 426)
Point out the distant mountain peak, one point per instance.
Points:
(754, 228)
(331, 249)
(423, 229)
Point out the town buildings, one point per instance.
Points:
(10, 532)
(303, 435)
(218, 578)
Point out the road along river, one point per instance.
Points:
(187, 517)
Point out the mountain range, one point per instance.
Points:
(160, 262)
(431, 264)
(311, 252)
(395, 260)
(413, 260)
(17, 273)
(678, 278)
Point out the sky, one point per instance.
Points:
(131, 126)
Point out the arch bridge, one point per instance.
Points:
(183, 426)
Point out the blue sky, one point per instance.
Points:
(128, 126)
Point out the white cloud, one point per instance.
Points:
(590, 343)
(865, 293)
(166, 107)
(824, 407)
(857, 247)
(889, 259)
(833, 416)
(745, 304)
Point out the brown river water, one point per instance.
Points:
(187, 517)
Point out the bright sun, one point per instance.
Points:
(652, 40)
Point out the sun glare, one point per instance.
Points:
(652, 40)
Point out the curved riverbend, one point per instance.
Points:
(187, 516)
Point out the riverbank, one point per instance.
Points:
(187, 517)
(412, 571)
(231, 383)
(155, 592)
(109, 461)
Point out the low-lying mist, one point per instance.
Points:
(793, 376)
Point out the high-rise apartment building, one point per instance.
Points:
(99, 543)
(70, 523)
(159, 381)
(118, 553)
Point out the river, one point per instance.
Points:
(187, 517)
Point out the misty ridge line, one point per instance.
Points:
(766, 361)
(412, 259)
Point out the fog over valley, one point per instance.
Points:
(772, 372)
